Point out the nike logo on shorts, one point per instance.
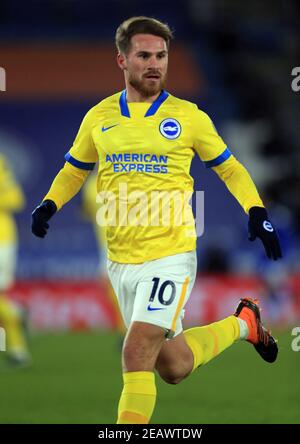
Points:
(154, 308)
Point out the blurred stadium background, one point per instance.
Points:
(234, 59)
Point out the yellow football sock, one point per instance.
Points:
(137, 399)
(11, 322)
(209, 341)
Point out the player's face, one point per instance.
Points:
(146, 63)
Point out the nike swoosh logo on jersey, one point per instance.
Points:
(108, 127)
(154, 308)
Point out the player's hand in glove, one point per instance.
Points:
(40, 217)
(260, 226)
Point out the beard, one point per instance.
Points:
(147, 87)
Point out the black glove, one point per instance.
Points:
(40, 217)
(260, 226)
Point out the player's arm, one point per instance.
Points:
(66, 185)
(239, 183)
(216, 155)
(80, 160)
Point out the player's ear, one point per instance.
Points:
(121, 60)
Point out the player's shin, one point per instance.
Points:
(138, 398)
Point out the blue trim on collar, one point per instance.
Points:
(152, 109)
(158, 102)
(123, 104)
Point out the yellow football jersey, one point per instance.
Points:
(11, 200)
(144, 149)
(90, 208)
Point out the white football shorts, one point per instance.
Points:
(156, 291)
(7, 265)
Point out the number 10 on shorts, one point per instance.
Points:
(165, 291)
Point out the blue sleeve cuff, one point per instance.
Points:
(218, 160)
(78, 164)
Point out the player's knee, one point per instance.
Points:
(131, 352)
(139, 354)
(172, 376)
(173, 380)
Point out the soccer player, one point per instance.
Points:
(11, 315)
(144, 139)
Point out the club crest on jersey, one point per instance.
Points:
(170, 128)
